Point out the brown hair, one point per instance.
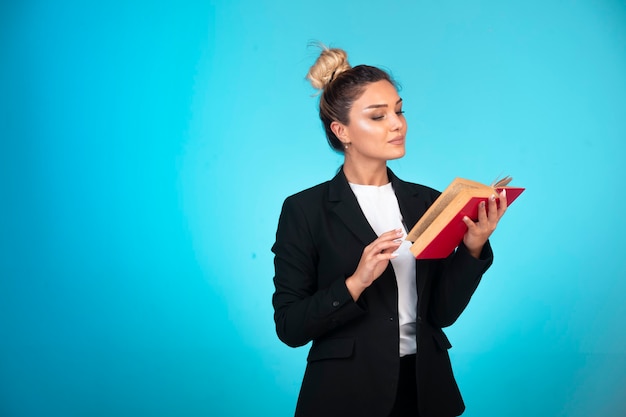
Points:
(341, 85)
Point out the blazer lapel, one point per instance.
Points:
(412, 205)
(348, 210)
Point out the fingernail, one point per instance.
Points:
(503, 193)
(394, 255)
(493, 197)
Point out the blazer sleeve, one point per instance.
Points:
(302, 311)
(456, 280)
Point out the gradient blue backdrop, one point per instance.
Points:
(146, 148)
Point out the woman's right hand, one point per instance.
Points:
(374, 261)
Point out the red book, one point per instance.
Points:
(441, 229)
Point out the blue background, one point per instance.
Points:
(146, 149)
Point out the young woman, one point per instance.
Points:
(345, 278)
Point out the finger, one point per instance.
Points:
(503, 203)
(386, 256)
(482, 213)
(387, 246)
(493, 208)
(380, 245)
(387, 236)
(392, 234)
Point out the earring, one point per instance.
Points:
(345, 145)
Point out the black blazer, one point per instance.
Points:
(353, 363)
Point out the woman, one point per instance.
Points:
(345, 278)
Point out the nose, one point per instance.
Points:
(396, 122)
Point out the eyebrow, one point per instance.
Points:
(376, 106)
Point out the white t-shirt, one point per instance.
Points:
(381, 209)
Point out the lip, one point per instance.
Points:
(398, 140)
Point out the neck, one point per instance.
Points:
(371, 174)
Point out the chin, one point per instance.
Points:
(397, 155)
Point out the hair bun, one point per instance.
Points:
(330, 63)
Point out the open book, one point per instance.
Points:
(441, 228)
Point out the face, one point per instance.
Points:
(377, 127)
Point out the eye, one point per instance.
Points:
(378, 117)
(400, 112)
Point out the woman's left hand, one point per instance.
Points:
(478, 232)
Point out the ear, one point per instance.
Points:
(340, 130)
